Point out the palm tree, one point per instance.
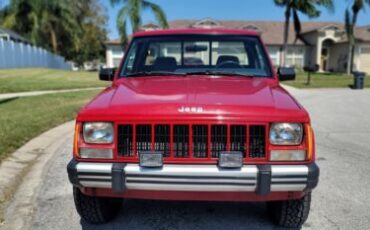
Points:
(292, 7)
(350, 21)
(131, 11)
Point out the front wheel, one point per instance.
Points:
(96, 210)
(290, 213)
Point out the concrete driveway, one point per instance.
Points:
(341, 119)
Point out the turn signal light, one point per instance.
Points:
(310, 147)
(94, 153)
(288, 155)
(76, 139)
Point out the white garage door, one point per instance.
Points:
(365, 59)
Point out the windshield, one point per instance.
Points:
(196, 54)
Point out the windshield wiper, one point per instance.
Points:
(223, 73)
(154, 73)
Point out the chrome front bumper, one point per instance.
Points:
(261, 179)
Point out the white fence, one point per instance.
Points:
(20, 55)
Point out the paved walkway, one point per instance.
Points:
(21, 173)
(5, 96)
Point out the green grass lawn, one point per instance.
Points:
(325, 80)
(24, 118)
(24, 80)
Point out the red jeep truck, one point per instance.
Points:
(194, 114)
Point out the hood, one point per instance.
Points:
(194, 97)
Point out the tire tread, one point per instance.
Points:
(291, 213)
(95, 210)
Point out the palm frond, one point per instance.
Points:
(135, 13)
(122, 17)
(158, 13)
(281, 3)
(308, 8)
(328, 4)
(124, 37)
(116, 2)
(357, 5)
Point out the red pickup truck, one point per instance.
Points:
(194, 114)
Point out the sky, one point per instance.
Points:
(229, 10)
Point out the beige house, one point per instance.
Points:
(113, 53)
(322, 43)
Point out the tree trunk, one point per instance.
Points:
(352, 43)
(54, 42)
(349, 58)
(286, 34)
(354, 20)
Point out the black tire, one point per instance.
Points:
(96, 210)
(290, 213)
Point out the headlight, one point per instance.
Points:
(98, 133)
(286, 133)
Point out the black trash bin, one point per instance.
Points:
(359, 80)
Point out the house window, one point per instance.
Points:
(149, 27)
(274, 55)
(117, 51)
(295, 57)
(206, 23)
(253, 28)
(116, 62)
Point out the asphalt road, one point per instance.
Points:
(341, 119)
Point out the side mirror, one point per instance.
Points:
(286, 74)
(107, 74)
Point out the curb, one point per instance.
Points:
(289, 88)
(25, 166)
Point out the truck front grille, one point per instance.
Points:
(203, 141)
